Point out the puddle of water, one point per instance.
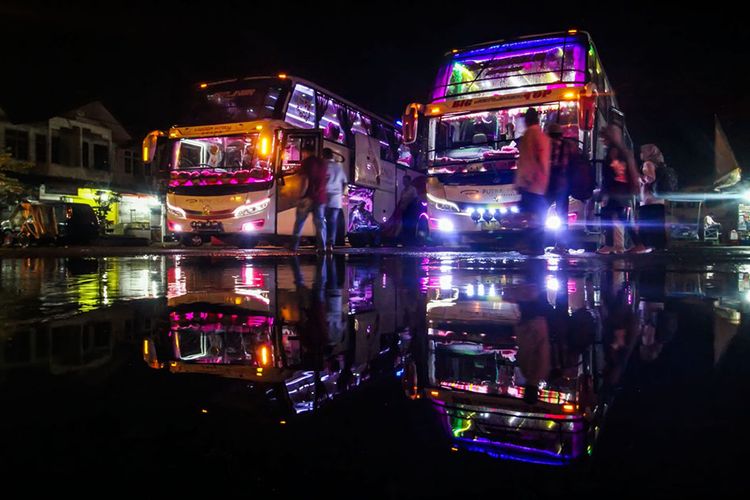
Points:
(537, 371)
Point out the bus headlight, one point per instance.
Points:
(252, 208)
(553, 222)
(441, 204)
(175, 211)
(446, 225)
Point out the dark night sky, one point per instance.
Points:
(671, 71)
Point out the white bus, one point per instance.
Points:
(234, 164)
(470, 128)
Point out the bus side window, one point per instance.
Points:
(301, 108)
(329, 110)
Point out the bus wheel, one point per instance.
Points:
(191, 240)
(247, 242)
(359, 240)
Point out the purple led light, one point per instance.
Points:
(572, 70)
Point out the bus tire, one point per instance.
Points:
(364, 239)
(359, 240)
(191, 240)
(247, 242)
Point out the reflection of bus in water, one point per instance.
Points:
(234, 164)
(475, 120)
(305, 333)
(504, 376)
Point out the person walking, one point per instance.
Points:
(335, 187)
(651, 213)
(314, 172)
(563, 153)
(620, 184)
(408, 206)
(532, 180)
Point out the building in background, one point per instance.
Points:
(85, 155)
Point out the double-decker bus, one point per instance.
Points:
(471, 127)
(234, 163)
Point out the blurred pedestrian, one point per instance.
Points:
(408, 205)
(335, 188)
(620, 185)
(563, 153)
(315, 175)
(532, 180)
(651, 213)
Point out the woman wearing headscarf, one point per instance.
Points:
(651, 212)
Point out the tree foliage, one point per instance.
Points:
(12, 188)
(105, 201)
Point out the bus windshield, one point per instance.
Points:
(233, 159)
(488, 140)
(507, 67)
(238, 101)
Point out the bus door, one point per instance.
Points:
(290, 180)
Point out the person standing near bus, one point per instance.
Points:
(563, 153)
(532, 180)
(408, 205)
(315, 176)
(335, 187)
(620, 185)
(651, 213)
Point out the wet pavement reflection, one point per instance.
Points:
(393, 376)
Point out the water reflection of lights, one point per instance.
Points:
(446, 281)
(440, 303)
(553, 284)
(261, 295)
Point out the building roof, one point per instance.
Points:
(93, 112)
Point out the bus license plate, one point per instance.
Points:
(207, 225)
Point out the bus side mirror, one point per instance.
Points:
(149, 145)
(410, 123)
